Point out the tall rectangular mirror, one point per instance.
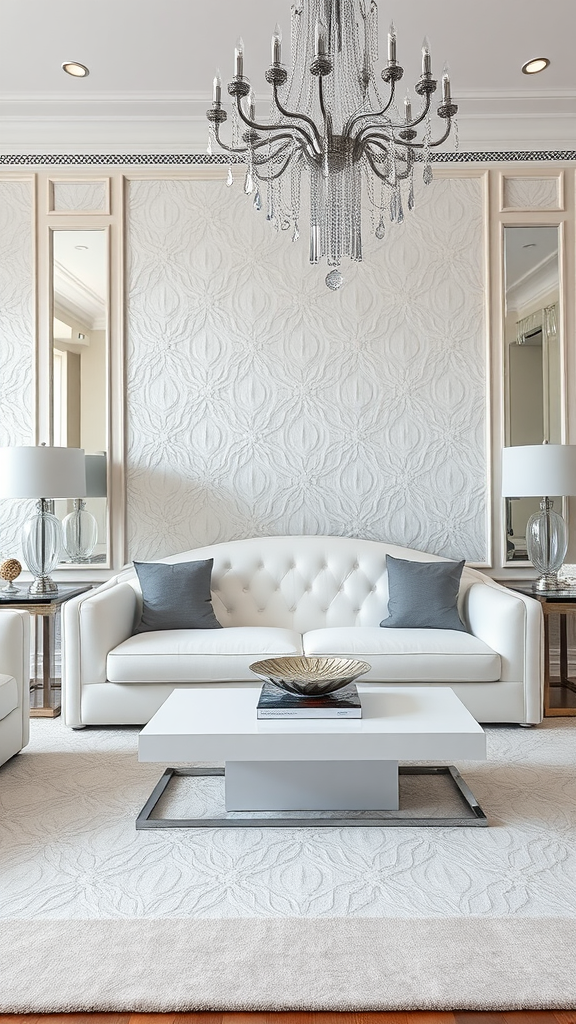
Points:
(80, 382)
(532, 354)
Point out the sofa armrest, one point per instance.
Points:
(511, 624)
(15, 658)
(92, 625)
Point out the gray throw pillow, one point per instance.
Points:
(176, 596)
(423, 595)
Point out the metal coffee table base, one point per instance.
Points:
(473, 815)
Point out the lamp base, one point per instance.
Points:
(548, 581)
(546, 542)
(43, 585)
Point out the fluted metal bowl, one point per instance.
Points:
(310, 676)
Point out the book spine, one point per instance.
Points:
(302, 713)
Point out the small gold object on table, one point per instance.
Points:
(10, 570)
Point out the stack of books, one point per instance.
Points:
(276, 702)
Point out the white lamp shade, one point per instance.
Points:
(42, 472)
(539, 470)
(96, 476)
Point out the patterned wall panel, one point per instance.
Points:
(79, 196)
(261, 403)
(16, 342)
(531, 193)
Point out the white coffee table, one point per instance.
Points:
(312, 764)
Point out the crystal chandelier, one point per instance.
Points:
(328, 119)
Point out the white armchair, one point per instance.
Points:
(14, 682)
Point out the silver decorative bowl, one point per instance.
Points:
(310, 676)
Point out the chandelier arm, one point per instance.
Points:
(274, 127)
(371, 113)
(394, 127)
(421, 145)
(321, 97)
(400, 175)
(259, 162)
(273, 139)
(229, 149)
(272, 177)
(299, 117)
(378, 174)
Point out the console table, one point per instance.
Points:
(559, 690)
(45, 682)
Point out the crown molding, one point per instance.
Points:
(176, 121)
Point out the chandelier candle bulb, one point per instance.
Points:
(277, 45)
(407, 108)
(446, 84)
(239, 58)
(217, 88)
(392, 44)
(426, 58)
(251, 105)
(319, 39)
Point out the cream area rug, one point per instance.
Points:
(97, 916)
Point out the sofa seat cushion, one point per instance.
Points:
(203, 655)
(410, 655)
(8, 695)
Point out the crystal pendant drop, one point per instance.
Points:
(248, 183)
(427, 175)
(334, 280)
(229, 179)
(393, 207)
(284, 224)
(380, 229)
(257, 203)
(209, 146)
(411, 197)
(400, 209)
(296, 234)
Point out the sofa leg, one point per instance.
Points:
(76, 728)
(526, 725)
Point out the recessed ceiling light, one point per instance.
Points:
(532, 67)
(85, 246)
(72, 67)
(529, 245)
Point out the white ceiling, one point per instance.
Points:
(152, 62)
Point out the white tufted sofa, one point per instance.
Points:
(14, 682)
(295, 595)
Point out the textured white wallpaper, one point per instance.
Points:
(80, 195)
(532, 193)
(16, 342)
(259, 402)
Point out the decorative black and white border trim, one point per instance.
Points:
(188, 159)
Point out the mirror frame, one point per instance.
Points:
(531, 218)
(111, 221)
(525, 562)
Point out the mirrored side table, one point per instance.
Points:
(558, 607)
(45, 678)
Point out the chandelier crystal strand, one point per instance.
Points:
(328, 117)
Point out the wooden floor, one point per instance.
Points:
(465, 1017)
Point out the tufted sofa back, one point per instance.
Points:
(302, 583)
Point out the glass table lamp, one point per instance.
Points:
(44, 473)
(80, 527)
(539, 470)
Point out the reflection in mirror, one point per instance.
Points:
(532, 358)
(80, 368)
